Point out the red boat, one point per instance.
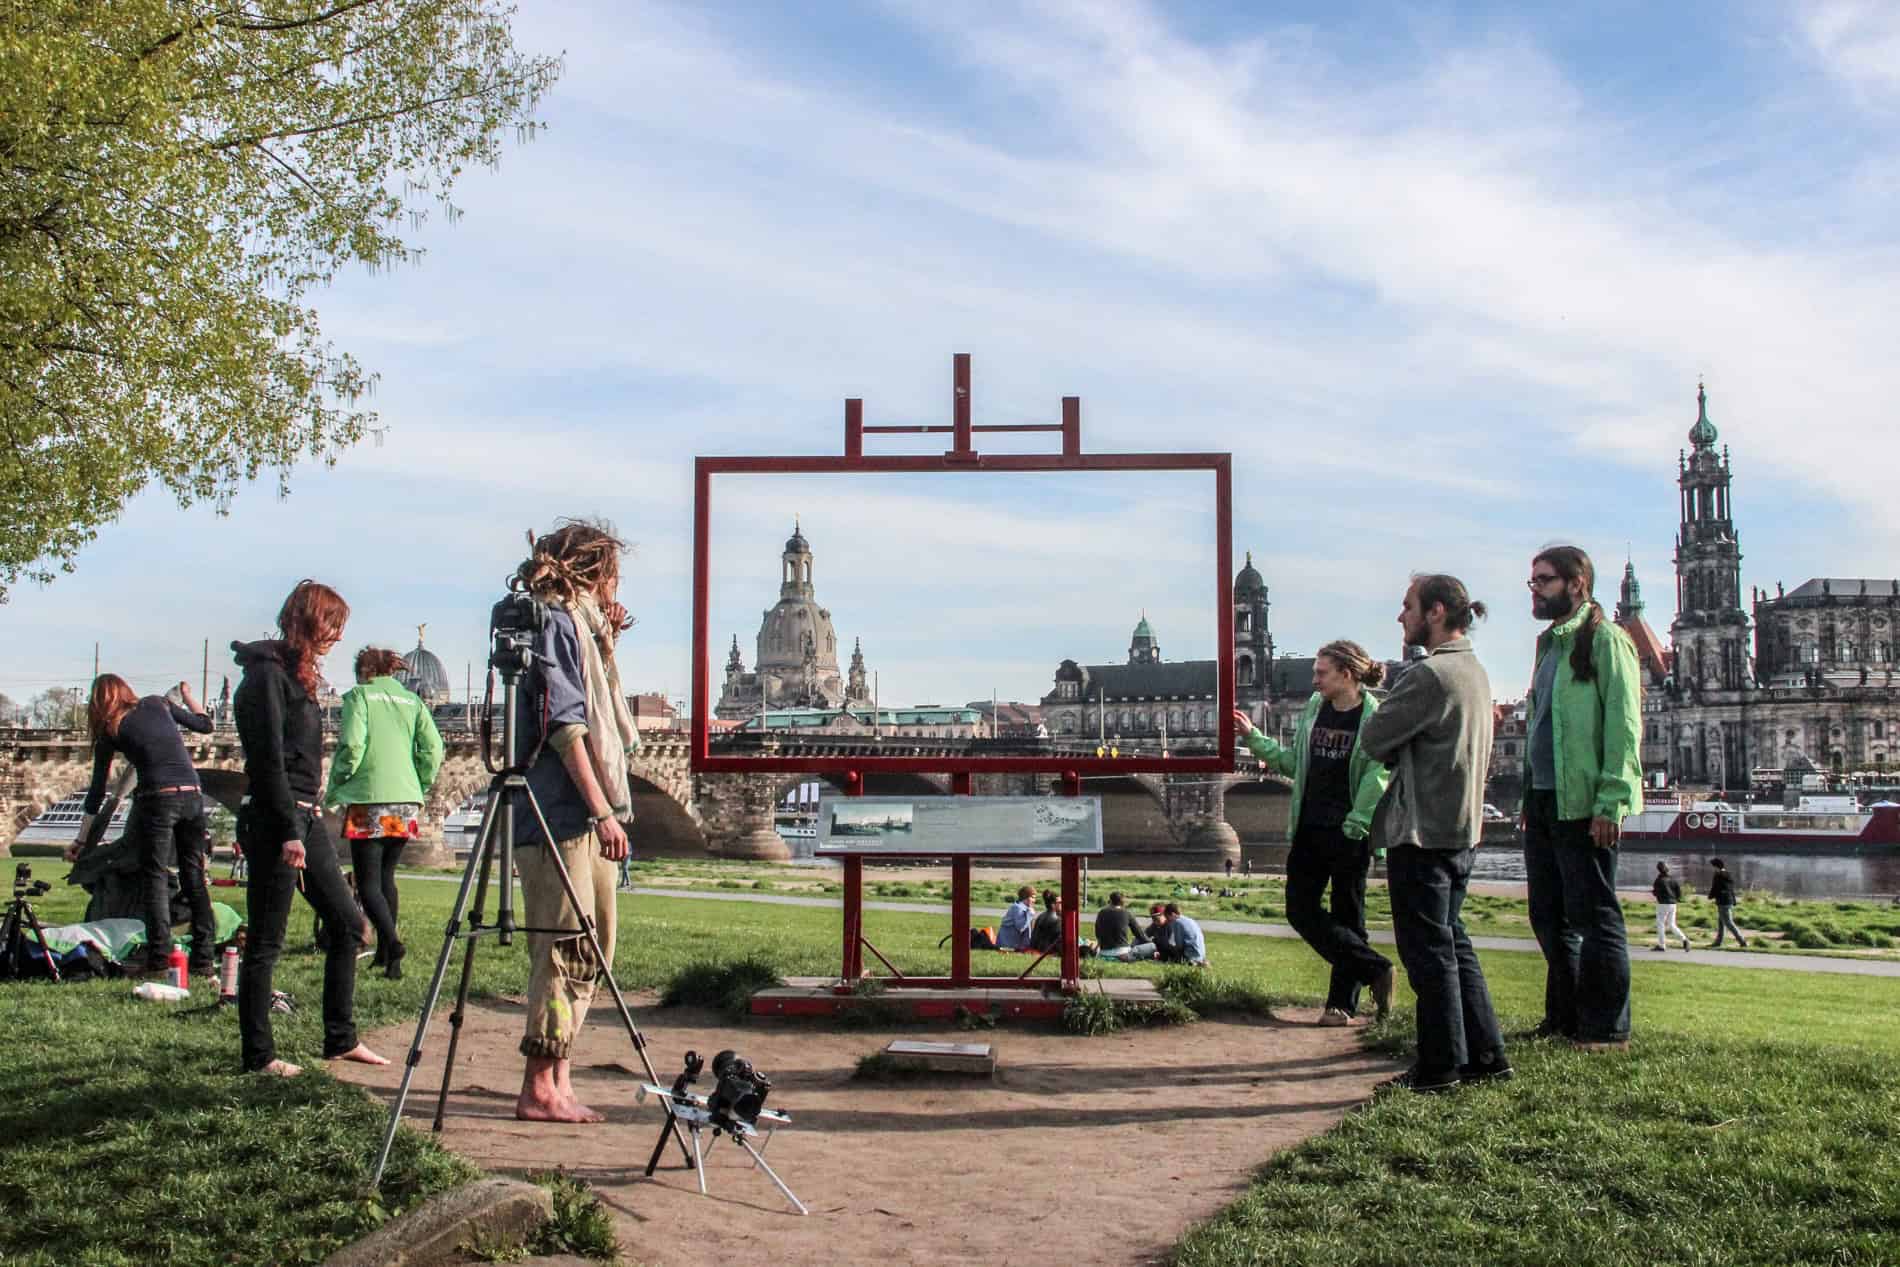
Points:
(1822, 824)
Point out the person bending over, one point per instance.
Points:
(387, 754)
(572, 708)
(285, 841)
(167, 821)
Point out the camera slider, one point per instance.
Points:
(690, 1109)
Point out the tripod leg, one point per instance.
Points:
(699, 1161)
(39, 935)
(592, 934)
(484, 846)
(759, 1161)
(477, 864)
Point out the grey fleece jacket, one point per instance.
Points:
(1434, 729)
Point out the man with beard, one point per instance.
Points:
(1434, 729)
(1583, 775)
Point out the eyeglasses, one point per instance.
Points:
(1538, 582)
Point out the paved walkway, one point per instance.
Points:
(1521, 945)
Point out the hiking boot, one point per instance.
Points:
(1334, 1018)
(1420, 1081)
(1489, 1068)
(1382, 993)
(1603, 1044)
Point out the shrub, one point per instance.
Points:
(1806, 937)
(1208, 994)
(727, 985)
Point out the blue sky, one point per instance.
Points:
(1441, 278)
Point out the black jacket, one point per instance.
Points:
(281, 729)
(1667, 891)
(1722, 888)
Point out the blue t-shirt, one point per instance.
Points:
(1543, 739)
(1014, 934)
(1187, 936)
(552, 695)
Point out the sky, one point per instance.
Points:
(1443, 279)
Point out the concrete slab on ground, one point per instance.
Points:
(820, 996)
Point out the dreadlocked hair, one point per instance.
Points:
(570, 561)
(1351, 659)
(1572, 564)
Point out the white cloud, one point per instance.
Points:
(1857, 41)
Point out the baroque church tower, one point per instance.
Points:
(1710, 633)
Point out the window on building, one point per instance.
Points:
(1243, 670)
(1880, 730)
(1174, 720)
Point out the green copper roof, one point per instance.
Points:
(1702, 435)
(1143, 631)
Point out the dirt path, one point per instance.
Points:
(1103, 1149)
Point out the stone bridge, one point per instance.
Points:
(1190, 820)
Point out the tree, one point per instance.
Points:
(59, 708)
(175, 179)
(9, 711)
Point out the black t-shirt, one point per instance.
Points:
(1047, 931)
(1115, 928)
(1327, 797)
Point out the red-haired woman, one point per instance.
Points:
(281, 726)
(168, 819)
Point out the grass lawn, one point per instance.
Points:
(1753, 1123)
(1864, 929)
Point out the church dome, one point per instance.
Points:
(796, 543)
(1703, 434)
(1250, 581)
(425, 674)
(1144, 632)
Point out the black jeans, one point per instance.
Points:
(171, 826)
(374, 862)
(1579, 924)
(1323, 856)
(1456, 1024)
(272, 885)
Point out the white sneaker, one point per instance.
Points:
(1334, 1018)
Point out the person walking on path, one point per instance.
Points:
(284, 838)
(1584, 773)
(1434, 729)
(1337, 790)
(168, 819)
(387, 754)
(1668, 891)
(1722, 893)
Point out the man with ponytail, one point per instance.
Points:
(1583, 775)
(1434, 729)
(572, 709)
(1337, 790)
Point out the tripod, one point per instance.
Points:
(512, 654)
(19, 920)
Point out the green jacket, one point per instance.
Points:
(1368, 777)
(1596, 726)
(387, 747)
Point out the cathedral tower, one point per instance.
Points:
(1710, 633)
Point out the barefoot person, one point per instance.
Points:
(387, 754)
(169, 822)
(572, 714)
(1336, 790)
(283, 836)
(1434, 729)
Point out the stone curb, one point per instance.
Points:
(433, 1234)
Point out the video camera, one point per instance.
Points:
(25, 886)
(739, 1093)
(513, 625)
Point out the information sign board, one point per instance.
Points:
(959, 826)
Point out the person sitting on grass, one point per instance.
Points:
(1186, 943)
(1014, 934)
(1117, 931)
(1047, 933)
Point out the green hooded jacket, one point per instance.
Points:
(1596, 727)
(1368, 777)
(387, 747)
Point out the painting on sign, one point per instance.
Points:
(871, 818)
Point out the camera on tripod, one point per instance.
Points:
(25, 886)
(513, 625)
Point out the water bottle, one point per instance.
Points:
(178, 971)
(228, 973)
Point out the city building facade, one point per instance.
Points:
(796, 665)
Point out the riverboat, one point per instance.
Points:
(59, 823)
(1817, 824)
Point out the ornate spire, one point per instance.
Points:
(1703, 434)
(734, 664)
(1630, 606)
